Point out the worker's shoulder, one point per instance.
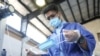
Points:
(72, 23)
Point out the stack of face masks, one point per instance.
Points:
(47, 44)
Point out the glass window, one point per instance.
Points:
(35, 34)
(40, 26)
(14, 21)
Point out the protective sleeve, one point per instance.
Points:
(88, 36)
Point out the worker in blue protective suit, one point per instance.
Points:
(77, 40)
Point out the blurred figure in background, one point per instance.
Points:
(3, 52)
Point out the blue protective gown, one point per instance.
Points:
(71, 49)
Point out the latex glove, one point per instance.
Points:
(71, 35)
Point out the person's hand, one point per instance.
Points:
(71, 35)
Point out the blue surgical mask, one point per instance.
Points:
(55, 22)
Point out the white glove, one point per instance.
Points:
(71, 35)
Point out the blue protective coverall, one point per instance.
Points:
(71, 49)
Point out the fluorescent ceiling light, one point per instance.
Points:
(40, 2)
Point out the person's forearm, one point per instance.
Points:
(83, 43)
